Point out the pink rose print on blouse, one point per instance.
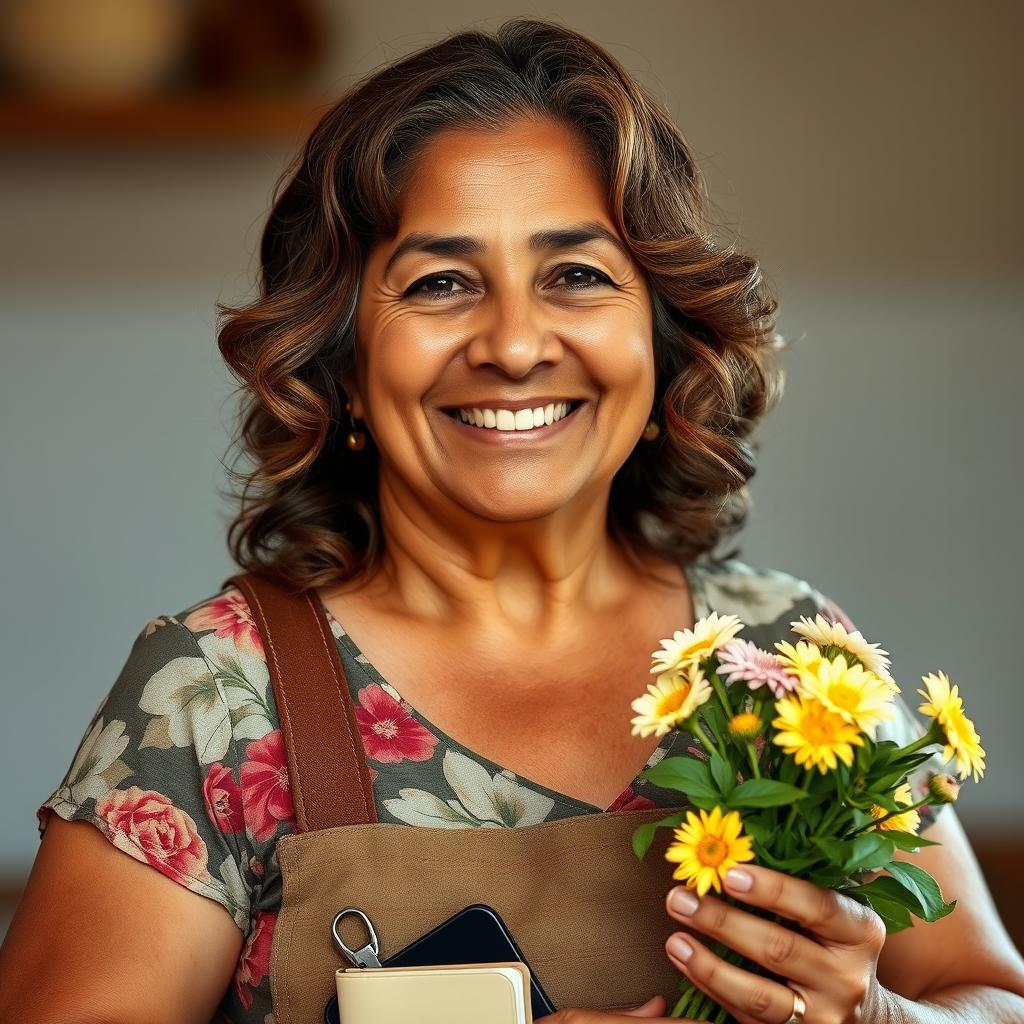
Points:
(223, 799)
(630, 801)
(148, 826)
(389, 732)
(831, 611)
(229, 615)
(254, 961)
(266, 791)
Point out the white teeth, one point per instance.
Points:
(520, 419)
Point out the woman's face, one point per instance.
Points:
(502, 293)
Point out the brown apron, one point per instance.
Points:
(588, 915)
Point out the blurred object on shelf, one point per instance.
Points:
(93, 49)
(256, 45)
(173, 120)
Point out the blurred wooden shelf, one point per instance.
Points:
(171, 119)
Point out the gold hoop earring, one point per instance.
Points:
(356, 439)
(652, 430)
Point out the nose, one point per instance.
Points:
(514, 336)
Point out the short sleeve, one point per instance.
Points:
(903, 728)
(158, 772)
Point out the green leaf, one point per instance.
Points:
(643, 835)
(907, 840)
(917, 881)
(866, 852)
(836, 850)
(871, 851)
(765, 793)
(687, 775)
(723, 774)
(887, 898)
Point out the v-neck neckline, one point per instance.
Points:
(694, 573)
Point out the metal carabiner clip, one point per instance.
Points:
(369, 955)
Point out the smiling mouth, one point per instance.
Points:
(515, 420)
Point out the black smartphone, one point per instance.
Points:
(475, 935)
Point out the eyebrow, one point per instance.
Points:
(468, 245)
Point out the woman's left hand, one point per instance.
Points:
(831, 964)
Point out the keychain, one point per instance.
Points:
(369, 955)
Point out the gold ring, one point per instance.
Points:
(799, 1009)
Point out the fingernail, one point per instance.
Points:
(738, 879)
(682, 901)
(680, 948)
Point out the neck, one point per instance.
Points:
(448, 564)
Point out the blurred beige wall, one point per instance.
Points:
(869, 153)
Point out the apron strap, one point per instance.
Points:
(327, 767)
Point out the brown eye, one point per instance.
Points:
(578, 282)
(433, 294)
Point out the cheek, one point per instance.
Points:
(622, 360)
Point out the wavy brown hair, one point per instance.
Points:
(307, 505)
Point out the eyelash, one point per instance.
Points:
(415, 288)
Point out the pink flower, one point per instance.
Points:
(389, 732)
(745, 661)
(148, 826)
(629, 801)
(254, 961)
(266, 791)
(223, 799)
(229, 615)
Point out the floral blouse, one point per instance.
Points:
(183, 766)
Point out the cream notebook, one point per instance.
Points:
(497, 993)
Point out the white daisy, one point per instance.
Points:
(824, 633)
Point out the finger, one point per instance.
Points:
(748, 997)
(829, 915)
(654, 1007)
(780, 949)
(651, 1010)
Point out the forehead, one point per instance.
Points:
(531, 171)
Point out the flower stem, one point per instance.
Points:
(875, 822)
(722, 696)
(709, 745)
(933, 735)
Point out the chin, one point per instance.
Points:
(513, 506)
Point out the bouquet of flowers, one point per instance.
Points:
(789, 772)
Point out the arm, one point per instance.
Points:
(962, 968)
(99, 938)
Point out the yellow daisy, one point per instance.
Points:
(859, 696)
(905, 821)
(945, 705)
(706, 847)
(688, 647)
(673, 698)
(833, 634)
(813, 734)
(801, 659)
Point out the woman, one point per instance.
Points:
(499, 389)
